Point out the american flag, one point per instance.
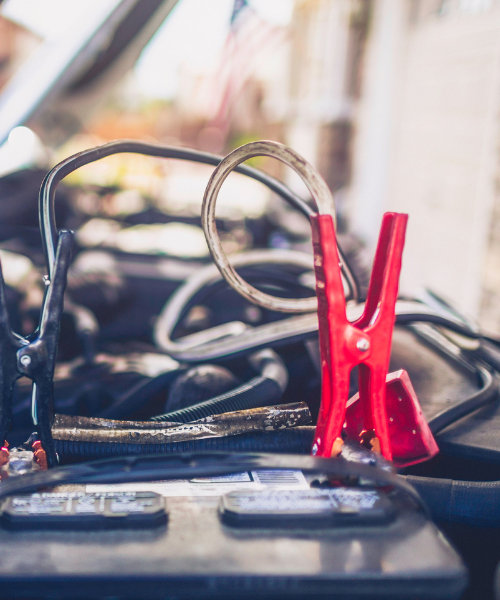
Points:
(249, 40)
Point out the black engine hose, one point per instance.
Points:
(263, 390)
(294, 440)
(451, 414)
(468, 502)
(47, 218)
(257, 392)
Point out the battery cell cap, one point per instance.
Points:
(81, 510)
(323, 507)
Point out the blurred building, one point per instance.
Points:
(427, 140)
(396, 102)
(15, 46)
(327, 56)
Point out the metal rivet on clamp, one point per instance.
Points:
(25, 360)
(363, 345)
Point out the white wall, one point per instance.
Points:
(375, 119)
(427, 142)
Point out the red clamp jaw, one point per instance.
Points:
(366, 343)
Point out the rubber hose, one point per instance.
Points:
(264, 390)
(295, 440)
(259, 391)
(451, 414)
(468, 502)
(198, 384)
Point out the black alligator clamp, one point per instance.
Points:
(34, 356)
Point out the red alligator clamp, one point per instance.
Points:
(386, 413)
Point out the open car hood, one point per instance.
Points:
(64, 80)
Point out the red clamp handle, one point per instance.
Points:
(365, 343)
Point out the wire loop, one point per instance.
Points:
(319, 191)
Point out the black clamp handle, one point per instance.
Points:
(35, 356)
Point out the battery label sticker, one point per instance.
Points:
(307, 501)
(335, 507)
(85, 504)
(38, 504)
(215, 486)
(236, 477)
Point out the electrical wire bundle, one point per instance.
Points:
(444, 326)
(230, 384)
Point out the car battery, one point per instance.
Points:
(271, 534)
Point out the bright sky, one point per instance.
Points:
(194, 34)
